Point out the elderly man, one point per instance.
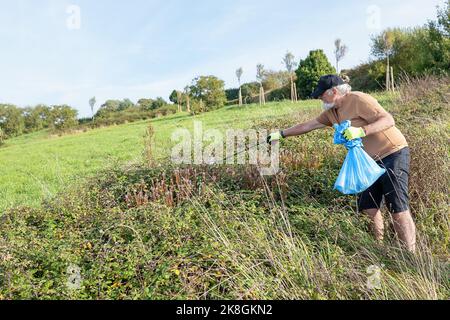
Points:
(382, 141)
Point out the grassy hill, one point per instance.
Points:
(133, 231)
(38, 165)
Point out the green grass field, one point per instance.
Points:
(39, 165)
(129, 230)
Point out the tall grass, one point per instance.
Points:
(217, 232)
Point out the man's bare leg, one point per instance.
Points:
(377, 223)
(405, 228)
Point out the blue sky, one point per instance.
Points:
(146, 48)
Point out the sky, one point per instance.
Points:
(65, 52)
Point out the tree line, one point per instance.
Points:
(15, 121)
(406, 52)
(395, 53)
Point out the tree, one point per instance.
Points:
(145, 104)
(273, 80)
(108, 107)
(11, 120)
(63, 117)
(111, 106)
(210, 91)
(444, 19)
(290, 64)
(33, 121)
(367, 76)
(415, 51)
(92, 103)
(260, 77)
(232, 94)
(42, 115)
(125, 104)
(383, 46)
(174, 97)
(339, 52)
(310, 70)
(158, 103)
(177, 97)
(36, 118)
(151, 104)
(437, 43)
(180, 101)
(239, 73)
(250, 91)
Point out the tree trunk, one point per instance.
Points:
(188, 104)
(240, 96)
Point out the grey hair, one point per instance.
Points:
(343, 89)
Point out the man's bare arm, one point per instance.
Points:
(385, 121)
(303, 128)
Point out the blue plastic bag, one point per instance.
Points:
(359, 171)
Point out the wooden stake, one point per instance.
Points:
(240, 96)
(260, 95)
(392, 79)
(388, 78)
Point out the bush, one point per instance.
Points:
(310, 70)
(210, 90)
(63, 118)
(413, 52)
(166, 110)
(250, 92)
(11, 120)
(367, 76)
(232, 94)
(226, 232)
(280, 94)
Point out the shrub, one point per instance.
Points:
(167, 110)
(63, 118)
(11, 120)
(367, 76)
(280, 94)
(310, 70)
(210, 90)
(221, 232)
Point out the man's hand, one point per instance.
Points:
(353, 133)
(277, 136)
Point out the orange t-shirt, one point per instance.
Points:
(362, 109)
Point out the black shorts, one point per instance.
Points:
(393, 186)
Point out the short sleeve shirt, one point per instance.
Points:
(362, 109)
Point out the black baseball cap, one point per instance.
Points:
(325, 83)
